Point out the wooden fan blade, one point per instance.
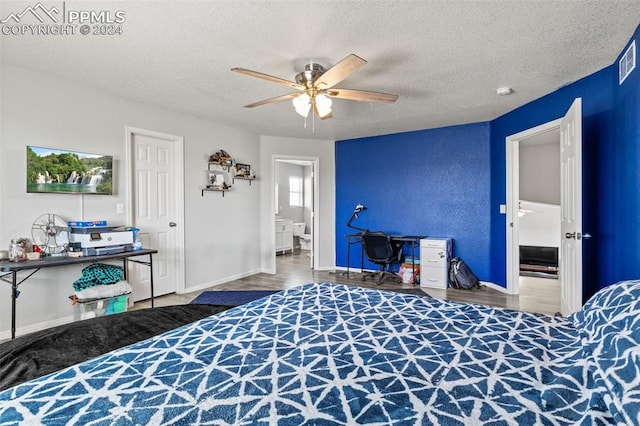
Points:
(268, 77)
(339, 72)
(362, 95)
(272, 100)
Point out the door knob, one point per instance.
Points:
(570, 235)
(172, 224)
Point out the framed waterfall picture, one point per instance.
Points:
(60, 171)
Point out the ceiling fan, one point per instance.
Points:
(315, 87)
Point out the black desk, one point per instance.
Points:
(12, 268)
(413, 240)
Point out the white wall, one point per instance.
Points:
(540, 172)
(220, 232)
(283, 172)
(272, 147)
(539, 224)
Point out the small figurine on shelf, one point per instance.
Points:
(212, 180)
(222, 158)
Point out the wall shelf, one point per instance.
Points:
(222, 172)
(233, 179)
(214, 190)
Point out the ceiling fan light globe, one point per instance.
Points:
(302, 104)
(323, 105)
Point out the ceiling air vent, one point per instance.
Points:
(627, 63)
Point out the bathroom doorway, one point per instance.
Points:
(294, 202)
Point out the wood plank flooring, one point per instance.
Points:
(537, 294)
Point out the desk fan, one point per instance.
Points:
(51, 233)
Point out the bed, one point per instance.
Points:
(43, 352)
(332, 354)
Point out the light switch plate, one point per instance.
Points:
(119, 208)
(503, 209)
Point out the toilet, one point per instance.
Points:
(305, 242)
(305, 239)
(298, 228)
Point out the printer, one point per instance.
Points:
(94, 241)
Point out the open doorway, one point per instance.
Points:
(539, 221)
(294, 207)
(534, 246)
(568, 132)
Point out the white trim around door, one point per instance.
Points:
(315, 235)
(513, 198)
(177, 158)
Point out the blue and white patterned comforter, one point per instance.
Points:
(332, 354)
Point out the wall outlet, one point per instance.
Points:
(119, 208)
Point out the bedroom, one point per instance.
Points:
(55, 93)
(239, 225)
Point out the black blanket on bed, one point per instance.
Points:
(46, 351)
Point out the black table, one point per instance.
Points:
(33, 266)
(412, 240)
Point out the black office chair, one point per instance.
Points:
(383, 251)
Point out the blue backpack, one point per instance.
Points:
(461, 276)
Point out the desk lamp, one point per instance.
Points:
(354, 215)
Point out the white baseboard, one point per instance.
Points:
(221, 281)
(494, 286)
(31, 328)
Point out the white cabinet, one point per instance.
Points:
(435, 255)
(284, 235)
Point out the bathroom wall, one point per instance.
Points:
(283, 172)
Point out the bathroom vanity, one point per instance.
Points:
(284, 235)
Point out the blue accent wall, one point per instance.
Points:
(598, 136)
(623, 233)
(611, 172)
(431, 182)
(451, 181)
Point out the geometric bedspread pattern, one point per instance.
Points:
(609, 326)
(331, 354)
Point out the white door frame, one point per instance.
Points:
(513, 197)
(314, 213)
(178, 164)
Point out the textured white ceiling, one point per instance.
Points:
(445, 59)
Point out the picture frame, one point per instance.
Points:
(216, 180)
(243, 170)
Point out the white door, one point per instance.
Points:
(156, 185)
(571, 209)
